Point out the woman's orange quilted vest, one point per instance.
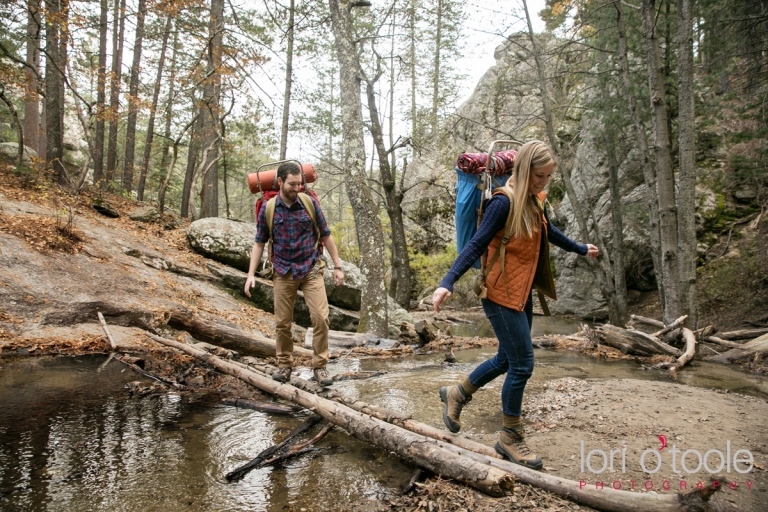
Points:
(523, 260)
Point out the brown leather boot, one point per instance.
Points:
(454, 399)
(511, 445)
(282, 375)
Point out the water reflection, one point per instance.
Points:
(71, 439)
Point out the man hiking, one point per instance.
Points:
(295, 253)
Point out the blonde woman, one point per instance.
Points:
(516, 226)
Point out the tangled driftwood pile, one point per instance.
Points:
(677, 341)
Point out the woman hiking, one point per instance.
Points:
(515, 230)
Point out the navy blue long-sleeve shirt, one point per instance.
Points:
(494, 219)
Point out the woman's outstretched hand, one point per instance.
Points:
(439, 297)
(592, 251)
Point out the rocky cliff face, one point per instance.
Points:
(506, 105)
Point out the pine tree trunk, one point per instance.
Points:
(288, 83)
(436, 76)
(101, 80)
(31, 99)
(665, 184)
(192, 151)
(412, 66)
(211, 149)
(118, 36)
(373, 311)
(649, 173)
(151, 123)
(169, 103)
(687, 142)
(604, 282)
(619, 314)
(133, 100)
(55, 14)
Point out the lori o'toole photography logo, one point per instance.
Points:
(715, 460)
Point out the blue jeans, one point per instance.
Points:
(515, 355)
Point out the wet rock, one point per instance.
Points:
(144, 214)
(223, 240)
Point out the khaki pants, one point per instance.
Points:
(286, 289)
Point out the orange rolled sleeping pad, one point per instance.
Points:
(267, 180)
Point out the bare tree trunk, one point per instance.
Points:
(133, 99)
(32, 100)
(169, 104)
(373, 311)
(189, 174)
(619, 316)
(686, 197)
(118, 36)
(436, 77)
(400, 288)
(604, 282)
(151, 123)
(412, 67)
(55, 36)
(209, 200)
(169, 172)
(665, 184)
(288, 82)
(16, 121)
(649, 173)
(101, 80)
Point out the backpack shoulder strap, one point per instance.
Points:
(500, 252)
(269, 215)
(309, 205)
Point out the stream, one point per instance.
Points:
(72, 438)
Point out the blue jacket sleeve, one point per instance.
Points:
(494, 218)
(556, 237)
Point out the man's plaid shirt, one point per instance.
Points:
(294, 237)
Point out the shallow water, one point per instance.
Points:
(71, 438)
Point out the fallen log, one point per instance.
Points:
(722, 343)
(616, 500)
(633, 342)
(406, 444)
(648, 321)
(240, 472)
(343, 339)
(746, 334)
(671, 327)
(255, 405)
(245, 343)
(300, 449)
(754, 347)
(690, 351)
(705, 332)
(148, 375)
(106, 330)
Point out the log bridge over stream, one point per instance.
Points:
(451, 456)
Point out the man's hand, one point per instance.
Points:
(439, 297)
(592, 251)
(338, 276)
(249, 283)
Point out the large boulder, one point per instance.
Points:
(223, 240)
(397, 316)
(9, 152)
(262, 296)
(348, 294)
(144, 214)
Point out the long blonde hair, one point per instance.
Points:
(526, 213)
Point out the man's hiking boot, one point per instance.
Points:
(511, 445)
(322, 377)
(454, 399)
(282, 375)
